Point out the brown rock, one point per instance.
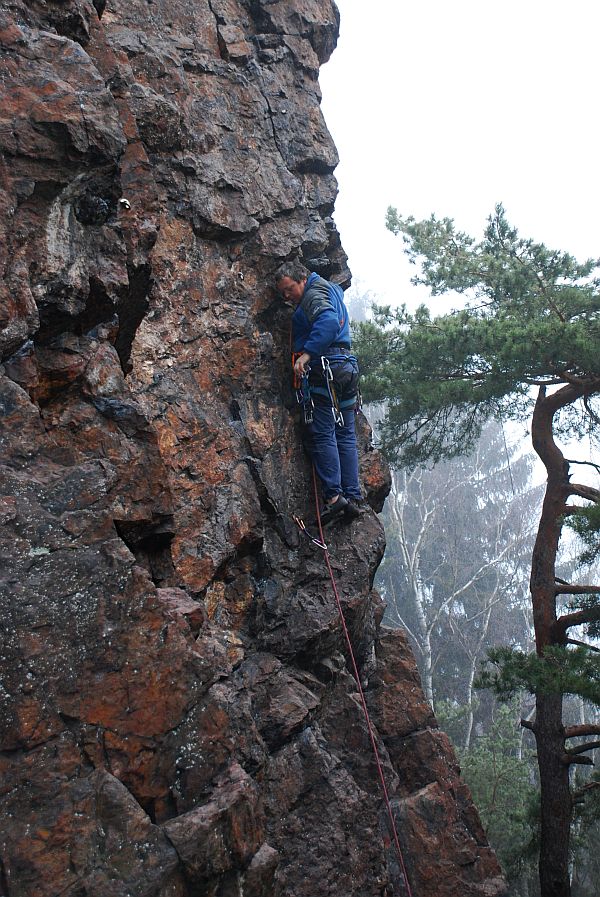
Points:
(85, 831)
(396, 698)
(281, 701)
(177, 711)
(258, 879)
(179, 603)
(430, 822)
(221, 835)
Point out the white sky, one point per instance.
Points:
(449, 106)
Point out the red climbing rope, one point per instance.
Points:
(360, 691)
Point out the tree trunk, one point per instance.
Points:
(556, 801)
(474, 657)
(469, 703)
(428, 671)
(416, 588)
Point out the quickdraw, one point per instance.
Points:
(296, 378)
(303, 396)
(304, 399)
(359, 399)
(335, 408)
(302, 527)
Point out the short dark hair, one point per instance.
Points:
(294, 270)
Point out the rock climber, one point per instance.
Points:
(321, 343)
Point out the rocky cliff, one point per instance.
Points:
(178, 718)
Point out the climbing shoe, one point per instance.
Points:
(355, 507)
(333, 511)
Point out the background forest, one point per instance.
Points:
(459, 589)
(456, 576)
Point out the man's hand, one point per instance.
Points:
(302, 363)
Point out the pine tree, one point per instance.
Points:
(525, 346)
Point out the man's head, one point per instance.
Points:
(290, 280)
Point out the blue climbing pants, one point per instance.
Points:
(331, 446)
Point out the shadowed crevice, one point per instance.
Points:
(132, 311)
(150, 543)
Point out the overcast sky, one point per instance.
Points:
(450, 106)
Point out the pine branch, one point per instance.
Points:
(570, 589)
(588, 615)
(583, 491)
(562, 397)
(587, 463)
(581, 748)
(581, 792)
(581, 731)
(589, 381)
(574, 641)
(590, 411)
(579, 761)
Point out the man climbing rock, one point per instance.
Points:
(321, 346)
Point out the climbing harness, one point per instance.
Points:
(356, 674)
(304, 390)
(328, 391)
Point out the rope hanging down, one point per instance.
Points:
(386, 798)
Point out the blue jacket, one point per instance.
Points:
(321, 319)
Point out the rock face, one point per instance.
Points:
(177, 716)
